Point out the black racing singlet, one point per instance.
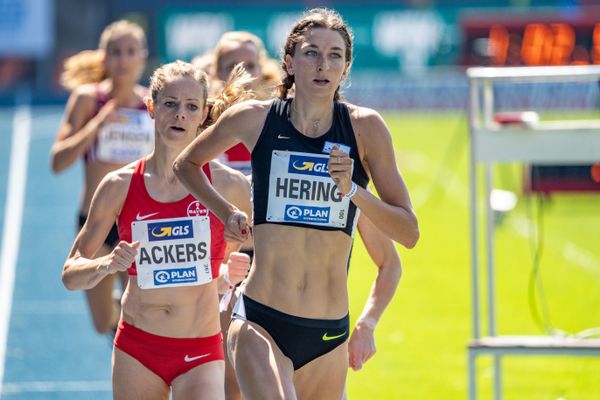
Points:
(290, 181)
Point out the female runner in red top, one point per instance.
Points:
(169, 335)
(105, 87)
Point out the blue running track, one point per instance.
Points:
(48, 349)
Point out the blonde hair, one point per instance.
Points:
(242, 37)
(314, 18)
(88, 66)
(204, 62)
(233, 92)
(270, 72)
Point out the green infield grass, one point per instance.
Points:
(422, 337)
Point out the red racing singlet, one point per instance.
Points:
(238, 157)
(139, 206)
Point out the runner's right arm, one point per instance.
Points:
(239, 123)
(81, 269)
(78, 128)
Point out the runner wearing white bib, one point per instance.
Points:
(106, 105)
(130, 138)
(168, 339)
(287, 340)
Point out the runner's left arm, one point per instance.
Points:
(382, 251)
(392, 211)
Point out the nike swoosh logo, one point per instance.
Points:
(328, 338)
(139, 217)
(280, 136)
(190, 359)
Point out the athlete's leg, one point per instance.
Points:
(132, 381)
(232, 389)
(104, 310)
(205, 382)
(262, 371)
(324, 377)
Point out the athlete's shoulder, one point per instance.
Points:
(247, 116)
(112, 190)
(81, 105)
(362, 115)
(250, 108)
(365, 119)
(86, 90)
(85, 94)
(119, 179)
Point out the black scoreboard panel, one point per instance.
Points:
(534, 39)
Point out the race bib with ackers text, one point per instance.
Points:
(173, 252)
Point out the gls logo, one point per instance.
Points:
(170, 230)
(308, 165)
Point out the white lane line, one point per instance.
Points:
(13, 212)
(56, 386)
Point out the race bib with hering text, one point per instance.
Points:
(301, 190)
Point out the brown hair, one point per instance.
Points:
(88, 66)
(314, 18)
(233, 92)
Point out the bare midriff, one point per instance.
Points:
(300, 271)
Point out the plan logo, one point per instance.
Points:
(306, 165)
(297, 213)
(179, 275)
(170, 230)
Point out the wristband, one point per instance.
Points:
(368, 322)
(352, 191)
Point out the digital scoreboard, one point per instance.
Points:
(545, 37)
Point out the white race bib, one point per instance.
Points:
(123, 142)
(301, 190)
(173, 252)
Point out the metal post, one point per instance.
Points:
(472, 372)
(489, 235)
(497, 377)
(474, 231)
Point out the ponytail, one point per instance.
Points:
(84, 67)
(286, 84)
(233, 92)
